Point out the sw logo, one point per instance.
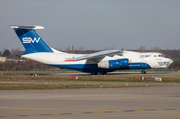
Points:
(30, 40)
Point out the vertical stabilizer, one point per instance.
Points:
(31, 41)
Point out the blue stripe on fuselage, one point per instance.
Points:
(139, 66)
(94, 67)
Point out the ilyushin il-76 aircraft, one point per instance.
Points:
(99, 62)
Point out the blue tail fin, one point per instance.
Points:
(31, 41)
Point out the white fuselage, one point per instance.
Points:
(154, 60)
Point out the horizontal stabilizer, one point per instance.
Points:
(26, 27)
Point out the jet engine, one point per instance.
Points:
(113, 64)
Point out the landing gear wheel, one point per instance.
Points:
(102, 73)
(143, 72)
(94, 73)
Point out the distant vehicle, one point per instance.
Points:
(100, 62)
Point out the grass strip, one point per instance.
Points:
(98, 78)
(58, 86)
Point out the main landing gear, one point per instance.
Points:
(143, 72)
(95, 73)
(102, 73)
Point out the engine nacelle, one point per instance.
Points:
(109, 64)
(113, 64)
(124, 62)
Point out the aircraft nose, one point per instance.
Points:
(170, 61)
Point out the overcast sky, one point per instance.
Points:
(94, 24)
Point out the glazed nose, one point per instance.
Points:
(170, 61)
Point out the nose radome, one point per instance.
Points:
(170, 61)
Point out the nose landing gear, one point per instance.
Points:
(143, 72)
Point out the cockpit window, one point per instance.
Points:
(162, 56)
(166, 56)
(159, 55)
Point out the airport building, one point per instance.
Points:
(2, 59)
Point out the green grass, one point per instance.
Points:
(89, 78)
(58, 86)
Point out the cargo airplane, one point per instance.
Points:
(99, 62)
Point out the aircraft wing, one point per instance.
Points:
(95, 55)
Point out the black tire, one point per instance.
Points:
(143, 72)
(94, 73)
(102, 73)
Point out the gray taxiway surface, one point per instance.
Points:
(158, 102)
(114, 73)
